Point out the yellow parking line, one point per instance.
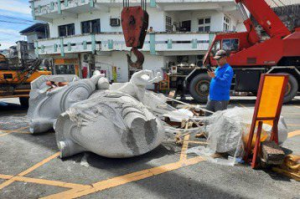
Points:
(26, 132)
(78, 190)
(288, 113)
(293, 124)
(132, 177)
(184, 148)
(5, 177)
(197, 142)
(44, 181)
(15, 130)
(7, 132)
(242, 105)
(293, 134)
(3, 134)
(136, 176)
(297, 106)
(121, 180)
(39, 164)
(11, 180)
(51, 182)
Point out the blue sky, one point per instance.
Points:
(15, 15)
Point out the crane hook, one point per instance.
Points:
(140, 59)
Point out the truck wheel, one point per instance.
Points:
(199, 87)
(24, 101)
(291, 89)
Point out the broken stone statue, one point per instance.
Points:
(47, 102)
(116, 121)
(112, 123)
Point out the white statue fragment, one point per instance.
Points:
(48, 99)
(136, 87)
(111, 123)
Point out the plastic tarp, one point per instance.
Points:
(228, 131)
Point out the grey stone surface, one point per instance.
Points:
(46, 104)
(109, 123)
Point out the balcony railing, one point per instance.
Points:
(50, 8)
(47, 8)
(106, 42)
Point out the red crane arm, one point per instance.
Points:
(266, 17)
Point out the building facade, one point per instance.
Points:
(87, 34)
(33, 33)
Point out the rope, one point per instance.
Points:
(189, 105)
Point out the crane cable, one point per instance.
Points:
(126, 3)
(17, 18)
(275, 3)
(281, 3)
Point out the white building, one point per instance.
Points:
(33, 33)
(89, 31)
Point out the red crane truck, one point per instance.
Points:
(250, 56)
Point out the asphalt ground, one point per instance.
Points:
(30, 167)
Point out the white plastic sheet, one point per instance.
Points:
(228, 131)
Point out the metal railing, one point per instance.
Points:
(154, 42)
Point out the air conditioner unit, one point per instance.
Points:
(88, 58)
(91, 59)
(115, 22)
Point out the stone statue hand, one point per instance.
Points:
(145, 77)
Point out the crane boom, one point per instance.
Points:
(265, 17)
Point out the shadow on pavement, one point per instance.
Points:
(111, 164)
(10, 108)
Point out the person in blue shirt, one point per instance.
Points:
(219, 91)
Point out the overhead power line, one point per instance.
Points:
(275, 3)
(17, 18)
(281, 2)
(15, 22)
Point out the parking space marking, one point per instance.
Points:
(286, 113)
(197, 142)
(293, 124)
(242, 105)
(19, 130)
(78, 190)
(23, 173)
(5, 177)
(293, 134)
(136, 176)
(121, 180)
(132, 177)
(51, 182)
(44, 181)
(184, 148)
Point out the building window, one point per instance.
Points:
(204, 24)
(226, 25)
(92, 26)
(64, 69)
(169, 26)
(66, 30)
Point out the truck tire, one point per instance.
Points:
(292, 88)
(24, 101)
(199, 87)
